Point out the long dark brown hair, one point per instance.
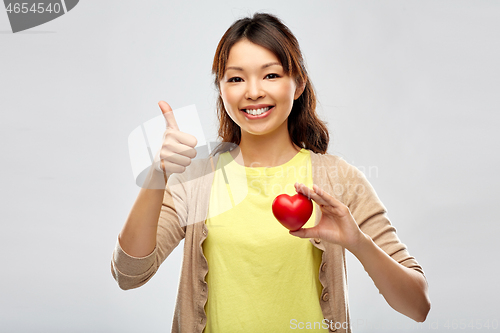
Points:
(306, 130)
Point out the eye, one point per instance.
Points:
(235, 79)
(272, 76)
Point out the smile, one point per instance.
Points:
(257, 112)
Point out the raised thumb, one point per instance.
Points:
(168, 114)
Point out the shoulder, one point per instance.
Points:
(325, 158)
(340, 178)
(334, 166)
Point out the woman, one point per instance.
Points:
(242, 271)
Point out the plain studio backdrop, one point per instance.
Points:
(410, 91)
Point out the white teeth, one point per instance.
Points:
(257, 112)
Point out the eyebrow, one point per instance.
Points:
(264, 66)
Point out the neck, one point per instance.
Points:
(269, 150)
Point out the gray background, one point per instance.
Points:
(409, 88)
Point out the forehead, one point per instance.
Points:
(247, 53)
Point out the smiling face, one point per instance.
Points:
(257, 93)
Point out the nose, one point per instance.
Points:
(254, 90)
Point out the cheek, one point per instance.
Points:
(231, 98)
(227, 101)
(223, 95)
(287, 90)
(287, 94)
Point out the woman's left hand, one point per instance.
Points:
(336, 225)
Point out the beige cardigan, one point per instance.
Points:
(184, 211)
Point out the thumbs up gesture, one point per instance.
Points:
(177, 149)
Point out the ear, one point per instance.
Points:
(299, 90)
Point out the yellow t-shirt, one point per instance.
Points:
(260, 278)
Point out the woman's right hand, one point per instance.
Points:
(177, 149)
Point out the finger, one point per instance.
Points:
(185, 139)
(301, 188)
(175, 159)
(305, 232)
(168, 114)
(180, 149)
(332, 201)
(174, 148)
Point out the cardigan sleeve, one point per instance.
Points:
(371, 215)
(132, 272)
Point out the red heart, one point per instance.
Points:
(292, 212)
